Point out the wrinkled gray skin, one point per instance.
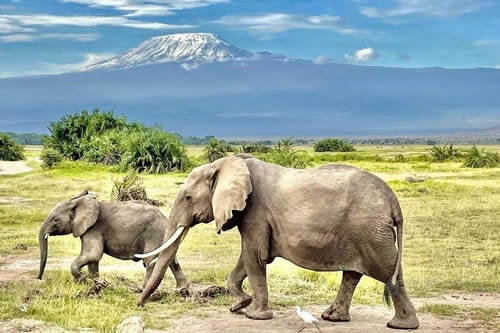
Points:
(118, 229)
(330, 218)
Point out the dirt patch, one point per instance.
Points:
(13, 167)
(363, 319)
(219, 319)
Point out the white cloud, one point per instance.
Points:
(441, 8)
(486, 42)
(88, 59)
(497, 67)
(362, 55)
(189, 67)
(147, 8)
(7, 27)
(279, 22)
(320, 60)
(46, 68)
(86, 21)
(14, 38)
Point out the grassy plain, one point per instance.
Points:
(451, 243)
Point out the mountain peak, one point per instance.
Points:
(182, 47)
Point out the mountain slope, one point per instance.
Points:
(261, 98)
(185, 47)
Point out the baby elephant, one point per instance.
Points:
(118, 229)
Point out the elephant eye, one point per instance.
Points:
(188, 197)
(56, 219)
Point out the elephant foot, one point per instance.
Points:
(241, 303)
(408, 322)
(336, 314)
(80, 278)
(260, 314)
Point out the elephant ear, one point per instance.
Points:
(84, 212)
(232, 185)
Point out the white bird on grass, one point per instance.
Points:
(307, 318)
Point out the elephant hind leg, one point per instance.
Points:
(405, 317)
(339, 310)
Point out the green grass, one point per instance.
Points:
(486, 316)
(451, 242)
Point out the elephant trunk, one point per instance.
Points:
(165, 258)
(43, 243)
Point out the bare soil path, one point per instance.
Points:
(13, 167)
(219, 319)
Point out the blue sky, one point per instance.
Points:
(54, 36)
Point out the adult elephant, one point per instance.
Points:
(330, 218)
(118, 229)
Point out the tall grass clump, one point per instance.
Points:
(9, 149)
(476, 158)
(153, 151)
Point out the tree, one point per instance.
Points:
(331, 144)
(215, 149)
(10, 150)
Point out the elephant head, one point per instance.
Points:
(211, 192)
(73, 216)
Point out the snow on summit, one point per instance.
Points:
(192, 48)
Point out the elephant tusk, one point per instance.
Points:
(152, 262)
(46, 236)
(165, 245)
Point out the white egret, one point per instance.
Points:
(307, 318)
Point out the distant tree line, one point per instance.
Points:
(26, 138)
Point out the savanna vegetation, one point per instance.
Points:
(452, 240)
(451, 244)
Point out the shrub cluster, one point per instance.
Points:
(476, 158)
(9, 149)
(285, 155)
(101, 137)
(331, 144)
(444, 153)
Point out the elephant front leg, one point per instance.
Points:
(256, 270)
(180, 278)
(234, 284)
(339, 310)
(90, 254)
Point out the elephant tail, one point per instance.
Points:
(390, 287)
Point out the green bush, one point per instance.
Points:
(480, 159)
(444, 153)
(105, 149)
(50, 158)
(9, 149)
(331, 144)
(73, 132)
(284, 154)
(153, 150)
(255, 148)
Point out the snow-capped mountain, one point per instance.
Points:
(190, 49)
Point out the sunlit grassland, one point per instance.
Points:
(451, 242)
